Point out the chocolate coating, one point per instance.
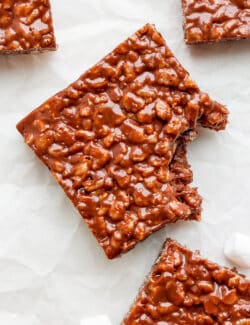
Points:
(109, 138)
(184, 288)
(26, 26)
(210, 20)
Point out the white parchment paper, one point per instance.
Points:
(52, 272)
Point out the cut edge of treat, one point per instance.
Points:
(215, 41)
(29, 51)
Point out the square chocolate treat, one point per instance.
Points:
(110, 138)
(26, 26)
(211, 21)
(184, 288)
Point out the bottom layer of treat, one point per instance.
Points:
(213, 41)
(184, 288)
(28, 51)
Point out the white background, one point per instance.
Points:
(52, 272)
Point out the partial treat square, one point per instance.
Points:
(26, 26)
(184, 288)
(109, 138)
(211, 21)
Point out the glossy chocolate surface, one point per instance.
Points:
(184, 288)
(210, 20)
(25, 26)
(109, 138)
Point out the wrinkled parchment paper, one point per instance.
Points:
(52, 272)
